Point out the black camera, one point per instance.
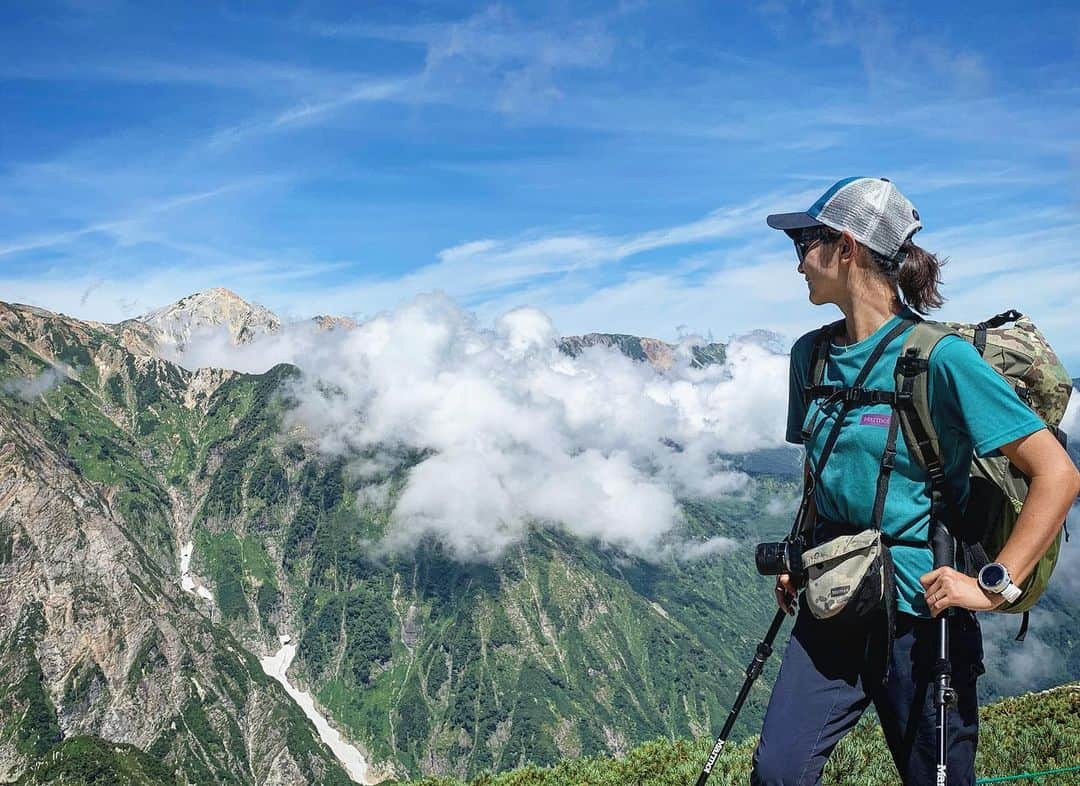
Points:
(776, 558)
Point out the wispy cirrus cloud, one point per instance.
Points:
(731, 276)
(493, 35)
(493, 56)
(488, 59)
(225, 73)
(474, 272)
(890, 53)
(311, 109)
(486, 270)
(123, 229)
(526, 154)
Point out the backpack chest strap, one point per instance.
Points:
(857, 396)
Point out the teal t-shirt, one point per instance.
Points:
(972, 407)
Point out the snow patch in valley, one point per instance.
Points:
(276, 666)
(186, 582)
(351, 759)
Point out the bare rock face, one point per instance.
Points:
(659, 354)
(201, 386)
(169, 331)
(324, 322)
(96, 636)
(212, 307)
(412, 626)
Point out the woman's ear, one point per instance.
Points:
(847, 247)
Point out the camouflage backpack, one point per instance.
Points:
(998, 489)
(1023, 357)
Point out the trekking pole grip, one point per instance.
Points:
(944, 547)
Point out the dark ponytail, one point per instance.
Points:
(920, 276)
(917, 273)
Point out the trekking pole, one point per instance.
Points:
(944, 696)
(753, 671)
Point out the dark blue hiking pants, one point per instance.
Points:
(830, 675)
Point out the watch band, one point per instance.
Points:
(1011, 593)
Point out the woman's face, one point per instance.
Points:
(821, 268)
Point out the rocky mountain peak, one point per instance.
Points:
(659, 354)
(209, 308)
(327, 322)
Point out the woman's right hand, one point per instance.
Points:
(786, 594)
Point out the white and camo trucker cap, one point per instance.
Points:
(872, 209)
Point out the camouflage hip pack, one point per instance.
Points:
(850, 577)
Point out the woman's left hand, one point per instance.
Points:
(947, 587)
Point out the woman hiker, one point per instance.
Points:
(854, 249)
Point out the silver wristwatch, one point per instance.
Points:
(994, 578)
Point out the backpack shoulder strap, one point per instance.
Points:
(819, 358)
(913, 406)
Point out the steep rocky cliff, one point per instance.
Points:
(98, 638)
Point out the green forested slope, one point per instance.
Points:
(558, 649)
(95, 634)
(1031, 733)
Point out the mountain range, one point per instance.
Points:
(162, 529)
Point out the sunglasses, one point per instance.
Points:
(806, 240)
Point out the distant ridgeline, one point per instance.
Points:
(559, 650)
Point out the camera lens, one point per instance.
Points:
(772, 558)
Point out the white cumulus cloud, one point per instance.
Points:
(515, 434)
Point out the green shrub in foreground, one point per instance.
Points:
(92, 761)
(1023, 734)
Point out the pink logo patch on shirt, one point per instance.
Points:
(875, 420)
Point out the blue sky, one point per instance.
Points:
(610, 163)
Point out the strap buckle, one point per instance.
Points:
(910, 365)
(888, 459)
(937, 473)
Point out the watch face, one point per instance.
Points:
(992, 576)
